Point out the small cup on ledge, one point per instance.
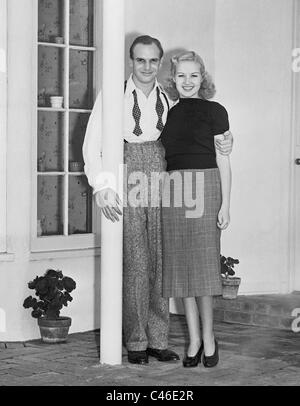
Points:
(76, 166)
(56, 102)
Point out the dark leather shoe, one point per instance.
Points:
(212, 360)
(162, 355)
(138, 357)
(190, 362)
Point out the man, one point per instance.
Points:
(145, 311)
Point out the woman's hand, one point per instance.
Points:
(223, 218)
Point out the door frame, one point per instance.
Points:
(3, 122)
(294, 126)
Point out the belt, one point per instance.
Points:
(126, 142)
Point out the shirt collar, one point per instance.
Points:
(130, 86)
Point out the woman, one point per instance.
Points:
(191, 244)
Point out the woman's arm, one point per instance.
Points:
(223, 162)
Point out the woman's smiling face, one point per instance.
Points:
(188, 79)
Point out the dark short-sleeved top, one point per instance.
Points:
(188, 136)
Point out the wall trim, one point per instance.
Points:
(3, 124)
(39, 256)
(292, 185)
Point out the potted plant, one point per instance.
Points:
(230, 283)
(53, 292)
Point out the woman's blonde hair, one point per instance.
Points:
(207, 89)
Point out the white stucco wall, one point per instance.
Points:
(15, 275)
(162, 22)
(178, 24)
(253, 43)
(246, 46)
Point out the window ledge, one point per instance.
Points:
(5, 257)
(38, 256)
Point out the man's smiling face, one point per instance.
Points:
(145, 64)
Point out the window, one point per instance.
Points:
(3, 120)
(65, 83)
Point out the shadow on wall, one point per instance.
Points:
(164, 73)
(129, 38)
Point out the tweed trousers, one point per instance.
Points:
(145, 311)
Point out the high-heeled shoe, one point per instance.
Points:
(190, 362)
(211, 360)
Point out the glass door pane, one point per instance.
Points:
(78, 124)
(50, 205)
(50, 74)
(81, 79)
(80, 205)
(50, 20)
(50, 141)
(81, 22)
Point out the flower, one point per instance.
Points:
(69, 284)
(36, 313)
(42, 285)
(29, 302)
(53, 291)
(54, 274)
(227, 265)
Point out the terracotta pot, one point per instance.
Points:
(54, 330)
(230, 287)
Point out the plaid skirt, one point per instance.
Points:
(191, 238)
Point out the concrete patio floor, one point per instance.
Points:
(249, 355)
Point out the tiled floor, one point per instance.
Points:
(249, 355)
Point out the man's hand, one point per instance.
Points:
(224, 146)
(109, 201)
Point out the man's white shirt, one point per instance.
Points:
(149, 118)
(92, 146)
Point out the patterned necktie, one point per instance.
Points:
(160, 111)
(136, 112)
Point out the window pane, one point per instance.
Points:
(50, 23)
(80, 205)
(50, 141)
(50, 204)
(81, 79)
(50, 77)
(81, 22)
(78, 124)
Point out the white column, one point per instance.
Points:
(3, 122)
(112, 233)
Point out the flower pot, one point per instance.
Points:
(56, 102)
(76, 166)
(230, 287)
(54, 330)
